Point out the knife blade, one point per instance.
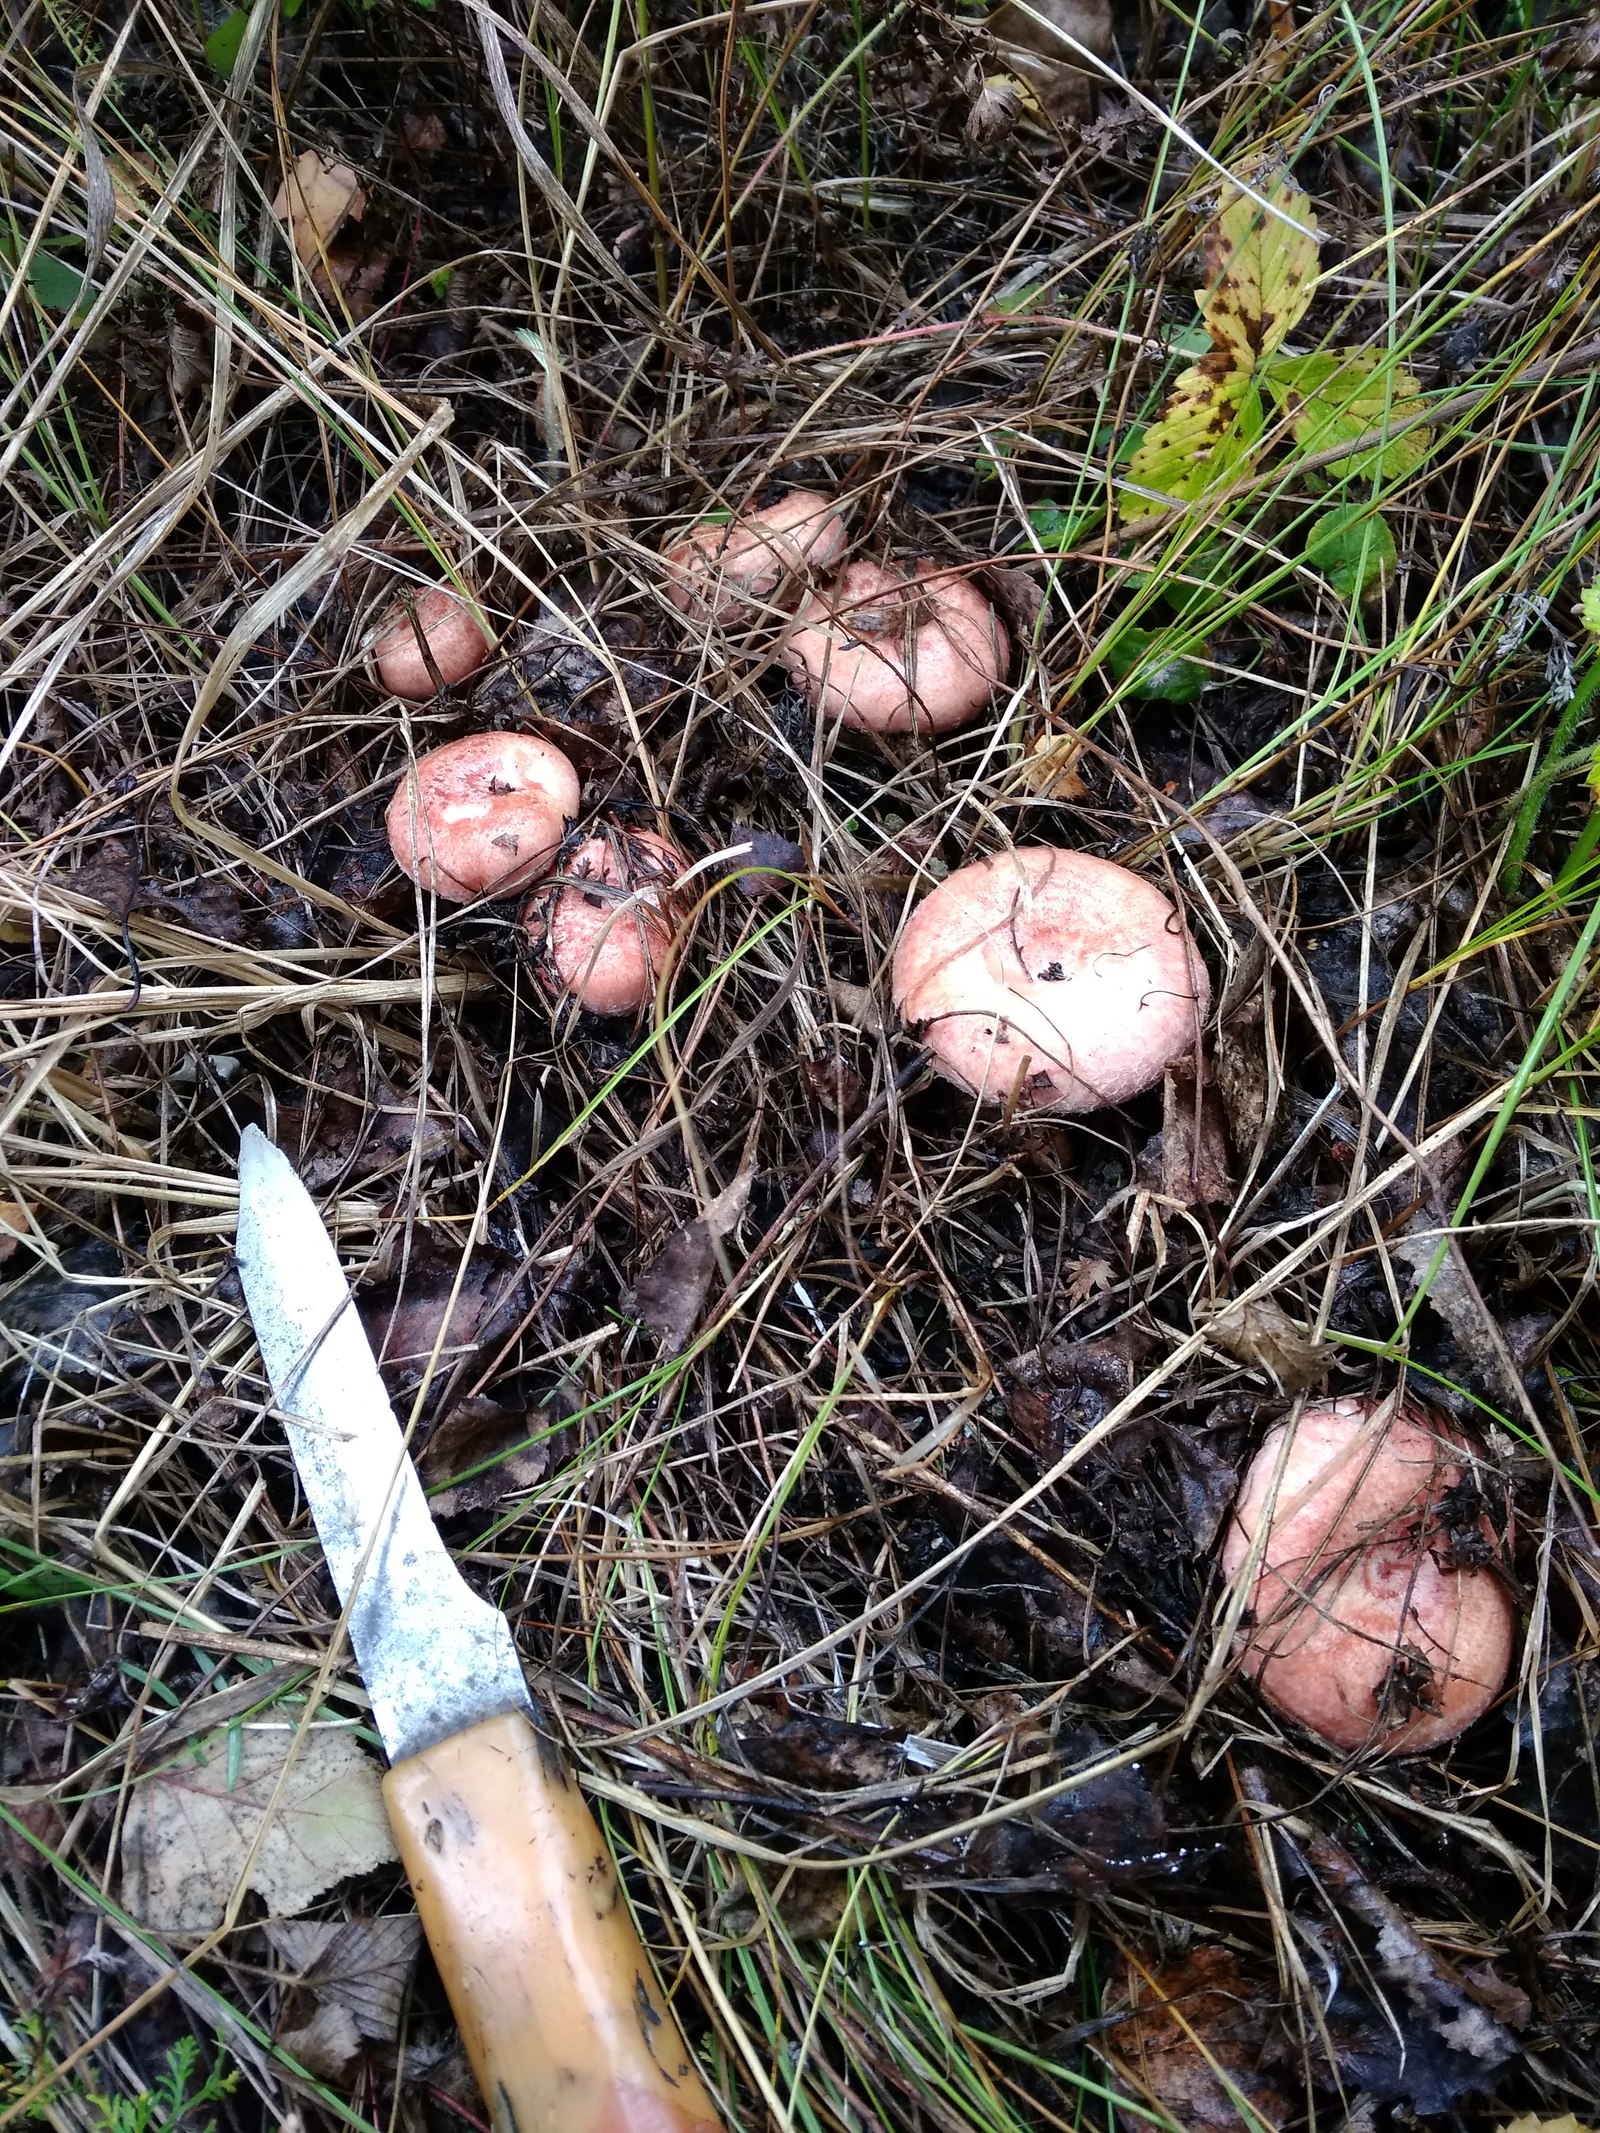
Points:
(560, 2013)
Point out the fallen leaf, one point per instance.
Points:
(1264, 1337)
(858, 1005)
(1238, 1070)
(827, 1754)
(1455, 1297)
(317, 198)
(1086, 1278)
(1197, 2039)
(810, 1906)
(671, 1292)
(361, 1966)
(327, 2044)
(405, 1319)
(486, 1452)
(191, 1826)
(1046, 43)
(1050, 767)
(1194, 1143)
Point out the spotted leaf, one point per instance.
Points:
(1260, 263)
(1205, 434)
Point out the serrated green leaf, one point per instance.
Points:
(1207, 431)
(1259, 268)
(1144, 660)
(222, 46)
(1337, 395)
(1353, 548)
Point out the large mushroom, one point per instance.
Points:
(603, 925)
(1374, 1619)
(765, 557)
(482, 816)
(1050, 980)
(897, 649)
(429, 639)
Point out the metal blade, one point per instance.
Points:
(434, 1656)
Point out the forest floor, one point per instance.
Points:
(853, 1461)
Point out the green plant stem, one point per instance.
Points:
(1555, 761)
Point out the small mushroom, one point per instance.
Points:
(1050, 979)
(442, 621)
(482, 816)
(604, 923)
(758, 557)
(895, 650)
(1373, 1619)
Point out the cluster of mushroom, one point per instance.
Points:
(488, 816)
(1040, 979)
(901, 647)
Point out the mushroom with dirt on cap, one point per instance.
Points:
(893, 648)
(482, 816)
(1050, 980)
(722, 568)
(1375, 1617)
(604, 923)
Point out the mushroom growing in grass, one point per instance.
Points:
(1373, 1619)
(757, 557)
(482, 816)
(604, 923)
(428, 641)
(1050, 980)
(891, 649)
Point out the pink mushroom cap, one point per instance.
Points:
(897, 650)
(758, 556)
(455, 639)
(1363, 1627)
(1050, 978)
(605, 922)
(482, 816)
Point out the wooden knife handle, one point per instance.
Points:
(559, 2010)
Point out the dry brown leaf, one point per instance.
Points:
(1195, 2030)
(1264, 1337)
(1086, 1278)
(486, 1451)
(191, 1826)
(327, 2045)
(361, 1967)
(671, 1292)
(1194, 1143)
(316, 200)
(1047, 53)
(1050, 767)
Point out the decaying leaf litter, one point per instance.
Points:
(852, 1464)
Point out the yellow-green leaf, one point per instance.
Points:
(1206, 433)
(1259, 268)
(1338, 395)
(1589, 608)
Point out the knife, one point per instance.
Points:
(563, 2020)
